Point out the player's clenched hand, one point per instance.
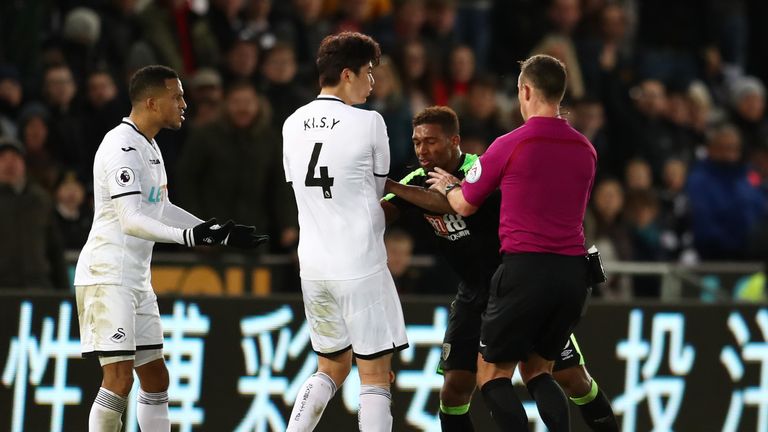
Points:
(208, 233)
(244, 237)
(439, 179)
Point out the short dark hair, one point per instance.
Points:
(547, 74)
(439, 115)
(149, 78)
(346, 50)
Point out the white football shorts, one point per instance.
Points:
(363, 314)
(117, 321)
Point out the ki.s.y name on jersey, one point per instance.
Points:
(448, 226)
(320, 123)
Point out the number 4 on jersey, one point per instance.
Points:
(323, 181)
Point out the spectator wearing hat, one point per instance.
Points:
(206, 96)
(80, 36)
(31, 256)
(748, 113)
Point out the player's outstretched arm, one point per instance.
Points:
(176, 216)
(444, 182)
(427, 199)
(135, 223)
(244, 237)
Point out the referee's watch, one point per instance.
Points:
(451, 186)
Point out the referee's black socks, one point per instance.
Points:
(505, 407)
(596, 410)
(551, 402)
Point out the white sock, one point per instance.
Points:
(152, 411)
(310, 403)
(374, 414)
(106, 412)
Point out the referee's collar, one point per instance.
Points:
(331, 98)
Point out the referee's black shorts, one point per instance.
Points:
(535, 300)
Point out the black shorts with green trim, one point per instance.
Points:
(462, 337)
(570, 356)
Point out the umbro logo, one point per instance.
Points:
(119, 336)
(154, 161)
(127, 149)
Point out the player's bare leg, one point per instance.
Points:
(495, 382)
(152, 407)
(583, 391)
(111, 400)
(550, 399)
(455, 396)
(317, 390)
(375, 397)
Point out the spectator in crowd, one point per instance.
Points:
(41, 166)
(642, 210)
(231, 168)
(119, 36)
(11, 98)
(388, 100)
(399, 246)
(605, 45)
(32, 255)
(439, 31)
(304, 29)
(258, 25)
(480, 112)
(179, 37)
(677, 238)
(588, 117)
(415, 73)
(637, 175)
(278, 70)
(748, 113)
(103, 110)
(81, 33)
(65, 136)
(225, 19)
(604, 226)
(461, 69)
(559, 42)
(206, 96)
(405, 24)
(241, 62)
(473, 27)
(725, 205)
(73, 215)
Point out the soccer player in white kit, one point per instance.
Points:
(117, 308)
(337, 159)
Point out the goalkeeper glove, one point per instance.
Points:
(208, 233)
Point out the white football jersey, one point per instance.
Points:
(126, 164)
(337, 158)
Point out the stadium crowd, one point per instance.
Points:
(674, 106)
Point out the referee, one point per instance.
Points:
(545, 170)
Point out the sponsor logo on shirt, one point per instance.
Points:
(157, 194)
(154, 161)
(474, 172)
(125, 176)
(450, 227)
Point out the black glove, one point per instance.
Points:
(244, 237)
(207, 233)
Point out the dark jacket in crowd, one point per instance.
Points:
(31, 255)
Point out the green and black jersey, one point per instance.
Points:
(471, 244)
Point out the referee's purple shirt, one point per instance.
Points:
(545, 170)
